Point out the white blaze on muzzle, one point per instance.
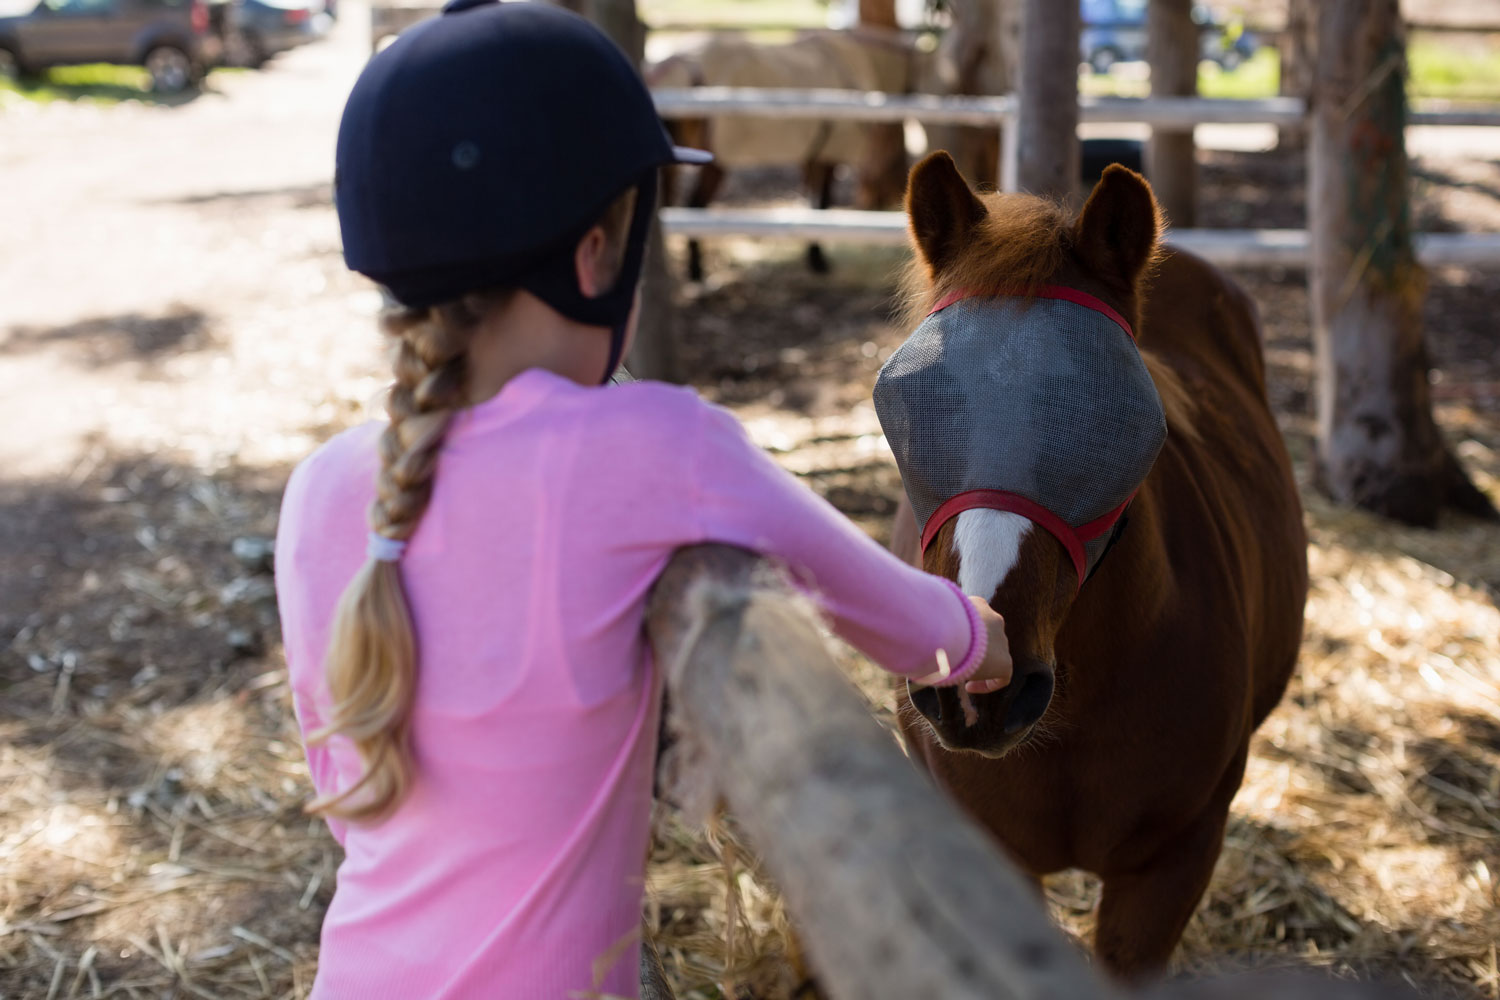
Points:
(1040, 406)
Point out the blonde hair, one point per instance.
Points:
(371, 666)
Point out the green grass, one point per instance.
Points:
(100, 83)
(1439, 67)
(1258, 76)
(1453, 68)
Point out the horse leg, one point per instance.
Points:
(710, 178)
(819, 177)
(1142, 913)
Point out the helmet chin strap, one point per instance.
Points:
(630, 269)
(555, 282)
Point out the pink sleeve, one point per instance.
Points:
(894, 613)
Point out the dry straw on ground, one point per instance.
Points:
(153, 843)
(151, 836)
(1364, 840)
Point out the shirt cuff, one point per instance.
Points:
(979, 641)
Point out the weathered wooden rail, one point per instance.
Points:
(895, 893)
(1224, 247)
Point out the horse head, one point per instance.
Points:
(1021, 413)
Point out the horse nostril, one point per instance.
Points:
(1030, 701)
(926, 701)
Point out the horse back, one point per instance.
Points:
(1225, 469)
(1186, 298)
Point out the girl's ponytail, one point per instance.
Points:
(371, 665)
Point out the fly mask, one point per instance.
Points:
(1038, 406)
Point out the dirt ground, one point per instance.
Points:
(177, 330)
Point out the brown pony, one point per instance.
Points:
(1170, 655)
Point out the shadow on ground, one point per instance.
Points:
(104, 341)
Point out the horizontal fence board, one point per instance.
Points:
(856, 105)
(845, 224)
(1225, 247)
(874, 106)
(1443, 113)
(1189, 111)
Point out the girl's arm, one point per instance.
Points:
(304, 668)
(896, 614)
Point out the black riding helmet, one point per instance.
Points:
(480, 147)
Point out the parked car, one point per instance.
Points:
(1115, 31)
(256, 30)
(173, 39)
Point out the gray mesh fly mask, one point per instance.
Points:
(1037, 406)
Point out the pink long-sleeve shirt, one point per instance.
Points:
(515, 867)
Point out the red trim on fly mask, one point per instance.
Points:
(1058, 292)
(1072, 539)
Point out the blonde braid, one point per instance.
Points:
(372, 657)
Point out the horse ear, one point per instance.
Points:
(1118, 230)
(941, 209)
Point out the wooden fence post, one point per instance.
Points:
(654, 354)
(1171, 157)
(1047, 136)
(896, 894)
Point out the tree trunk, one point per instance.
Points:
(1172, 48)
(654, 353)
(1378, 445)
(1048, 156)
(978, 54)
(881, 171)
(1299, 52)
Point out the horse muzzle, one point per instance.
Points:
(998, 722)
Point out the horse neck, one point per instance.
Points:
(1126, 600)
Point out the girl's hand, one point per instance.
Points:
(994, 670)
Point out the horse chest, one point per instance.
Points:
(1092, 801)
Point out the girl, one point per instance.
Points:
(469, 672)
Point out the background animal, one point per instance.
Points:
(841, 60)
(1123, 737)
(838, 60)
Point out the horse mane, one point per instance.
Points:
(1021, 242)
(1178, 404)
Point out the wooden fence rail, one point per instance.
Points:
(1223, 247)
(894, 891)
(1160, 112)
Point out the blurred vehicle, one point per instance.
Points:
(1115, 31)
(173, 39)
(388, 18)
(256, 30)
